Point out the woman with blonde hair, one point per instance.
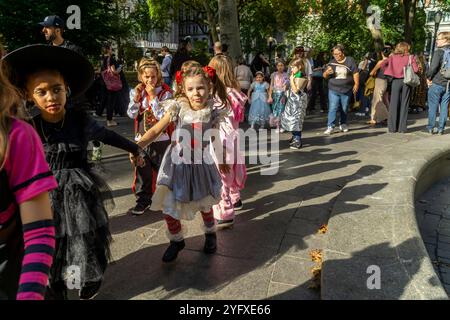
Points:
(400, 92)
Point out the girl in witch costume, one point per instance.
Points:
(145, 109)
(27, 233)
(189, 181)
(47, 75)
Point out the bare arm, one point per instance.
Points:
(376, 68)
(269, 100)
(356, 80)
(250, 94)
(36, 209)
(155, 131)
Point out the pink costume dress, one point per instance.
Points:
(234, 181)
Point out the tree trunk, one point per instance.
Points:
(212, 23)
(229, 28)
(410, 12)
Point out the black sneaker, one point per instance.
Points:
(225, 223)
(291, 141)
(90, 290)
(296, 144)
(210, 243)
(238, 205)
(172, 251)
(140, 208)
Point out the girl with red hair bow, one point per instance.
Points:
(189, 180)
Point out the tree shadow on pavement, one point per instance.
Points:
(244, 265)
(347, 277)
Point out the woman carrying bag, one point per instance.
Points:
(402, 67)
(112, 85)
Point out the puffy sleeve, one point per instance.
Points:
(133, 107)
(172, 106)
(26, 151)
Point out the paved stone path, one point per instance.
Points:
(266, 254)
(433, 215)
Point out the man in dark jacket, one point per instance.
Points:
(438, 92)
(53, 29)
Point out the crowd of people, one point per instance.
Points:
(54, 214)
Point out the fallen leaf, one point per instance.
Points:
(316, 255)
(316, 271)
(323, 229)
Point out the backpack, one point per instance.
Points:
(445, 68)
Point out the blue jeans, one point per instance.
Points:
(334, 100)
(437, 96)
(168, 81)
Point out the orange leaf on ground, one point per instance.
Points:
(323, 229)
(316, 255)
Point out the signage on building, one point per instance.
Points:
(156, 45)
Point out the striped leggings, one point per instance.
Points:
(174, 225)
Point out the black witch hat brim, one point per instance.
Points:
(76, 70)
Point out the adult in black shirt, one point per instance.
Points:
(53, 29)
(343, 75)
(259, 63)
(182, 55)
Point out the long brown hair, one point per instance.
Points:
(10, 106)
(300, 64)
(224, 70)
(184, 67)
(195, 69)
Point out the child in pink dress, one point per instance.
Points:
(233, 181)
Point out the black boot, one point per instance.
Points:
(90, 290)
(57, 291)
(210, 243)
(172, 251)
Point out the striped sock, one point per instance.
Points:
(173, 225)
(39, 240)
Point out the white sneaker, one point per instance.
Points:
(97, 153)
(111, 123)
(328, 131)
(343, 127)
(282, 130)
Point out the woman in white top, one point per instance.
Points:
(244, 75)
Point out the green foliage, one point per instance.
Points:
(159, 13)
(262, 19)
(339, 21)
(200, 53)
(100, 21)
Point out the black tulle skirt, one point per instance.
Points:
(83, 239)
